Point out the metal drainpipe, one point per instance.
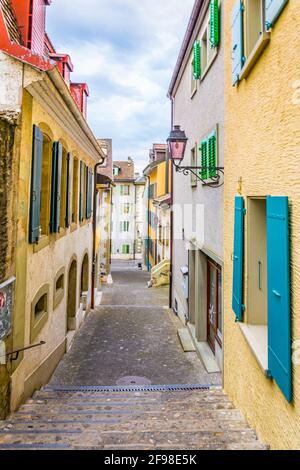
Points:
(94, 233)
(171, 214)
(148, 245)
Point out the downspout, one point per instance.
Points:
(148, 225)
(134, 243)
(171, 213)
(94, 232)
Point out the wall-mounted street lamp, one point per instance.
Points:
(177, 141)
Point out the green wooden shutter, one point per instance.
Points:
(214, 23)
(36, 181)
(56, 187)
(81, 192)
(69, 189)
(204, 159)
(279, 291)
(273, 9)
(238, 259)
(197, 60)
(212, 154)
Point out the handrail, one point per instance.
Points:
(18, 351)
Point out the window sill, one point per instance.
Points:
(257, 338)
(255, 54)
(43, 242)
(194, 92)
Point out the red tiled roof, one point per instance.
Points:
(127, 170)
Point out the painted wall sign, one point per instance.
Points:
(6, 307)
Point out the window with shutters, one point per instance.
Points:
(193, 81)
(208, 151)
(75, 191)
(125, 190)
(63, 194)
(266, 319)
(194, 163)
(126, 249)
(253, 24)
(46, 185)
(39, 312)
(124, 226)
(208, 51)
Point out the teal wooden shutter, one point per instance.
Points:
(238, 259)
(237, 52)
(197, 60)
(89, 194)
(36, 181)
(69, 189)
(212, 154)
(214, 23)
(81, 192)
(273, 8)
(204, 159)
(56, 187)
(279, 315)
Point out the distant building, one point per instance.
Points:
(104, 215)
(158, 202)
(127, 220)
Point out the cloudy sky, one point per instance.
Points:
(126, 51)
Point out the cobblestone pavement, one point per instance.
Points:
(133, 333)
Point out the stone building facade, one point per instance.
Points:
(49, 152)
(197, 94)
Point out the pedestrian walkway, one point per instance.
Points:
(132, 334)
(115, 389)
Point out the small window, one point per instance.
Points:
(126, 208)
(193, 164)
(253, 23)
(59, 288)
(208, 52)
(75, 192)
(39, 312)
(40, 307)
(116, 171)
(124, 226)
(125, 190)
(193, 81)
(125, 249)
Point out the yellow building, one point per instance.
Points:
(158, 200)
(52, 155)
(262, 229)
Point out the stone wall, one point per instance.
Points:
(6, 157)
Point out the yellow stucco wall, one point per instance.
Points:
(35, 268)
(262, 147)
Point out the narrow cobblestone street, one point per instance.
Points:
(132, 333)
(92, 403)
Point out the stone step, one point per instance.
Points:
(63, 414)
(160, 407)
(154, 425)
(202, 439)
(169, 395)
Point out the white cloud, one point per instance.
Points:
(126, 51)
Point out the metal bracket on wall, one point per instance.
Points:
(215, 181)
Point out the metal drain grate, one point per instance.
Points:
(142, 388)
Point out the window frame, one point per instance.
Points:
(38, 323)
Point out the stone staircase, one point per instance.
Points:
(128, 419)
